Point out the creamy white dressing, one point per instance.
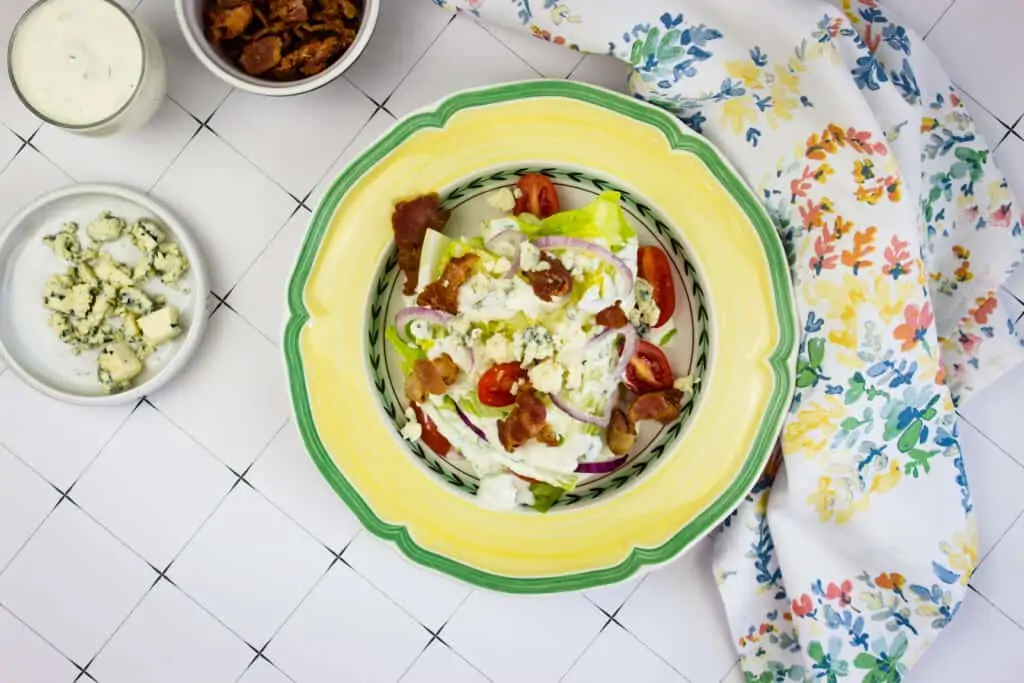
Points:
(77, 62)
(534, 459)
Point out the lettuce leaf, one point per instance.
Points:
(438, 250)
(602, 218)
(407, 353)
(545, 495)
(472, 405)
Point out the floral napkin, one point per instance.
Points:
(899, 230)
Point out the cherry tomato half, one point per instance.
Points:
(539, 196)
(495, 385)
(433, 438)
(655, 268)
(648, 370)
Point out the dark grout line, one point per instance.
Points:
(940, 18)
(492, 34)
(361, 91)
(416, 63)
(984, 597)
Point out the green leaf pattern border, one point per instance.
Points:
(594, 488)
(781, 360)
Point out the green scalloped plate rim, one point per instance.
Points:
(782, 360)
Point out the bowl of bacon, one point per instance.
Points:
(277, 47)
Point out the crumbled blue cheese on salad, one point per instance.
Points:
(646, 311)
(504, 200)
(557, 343)
(412, 430)
(99, 302)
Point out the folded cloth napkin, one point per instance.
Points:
(899, 230)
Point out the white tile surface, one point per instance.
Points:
(439, 663)
(735, 675)
(231, 206)
(995, 480)
(135, 159)
(262, 671)
(239, 372)
(969, 39)
(919, 15)
(170, 639)
(294, 139)
(27, 658)
(250, 565)
(994, 412)
(404, 31)
(60, 455)
(346, 614)
(487, 623)
(9, 146)
(288, 477)
(74, 583)
(261, 294)
(375, 128)
(617, 656)
(152, 486)
(189, 83)
(678, 614)
(998, 577)
(980, 639)
(28, 176)
(441, 71)
(603, 70)
(431, 598)
(25, 500)
(547, 59)
(611, 598)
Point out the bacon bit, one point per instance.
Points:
(430, 377)
(312, 56)
(555, 280)
(226, 23)
(663, 406)
(527, 420)
(443, 294)
(261, 56)
(339, 8)
(621, 434)
(289, 10)
(410, 223)
(613, 317)
(548, 437)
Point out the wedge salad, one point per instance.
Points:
(531, 351)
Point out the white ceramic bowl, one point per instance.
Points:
(29, 346)
(190, 16)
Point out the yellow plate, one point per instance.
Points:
(736, 313)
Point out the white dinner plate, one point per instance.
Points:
(27, 343)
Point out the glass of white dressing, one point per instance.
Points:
(86, 66)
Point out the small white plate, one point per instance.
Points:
(28, 344)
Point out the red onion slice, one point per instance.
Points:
(506, 244)
(469, 423)
(577, 414)
(408, 315)
(620, 266)
(603, 467)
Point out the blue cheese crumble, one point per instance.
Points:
(99, 303)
